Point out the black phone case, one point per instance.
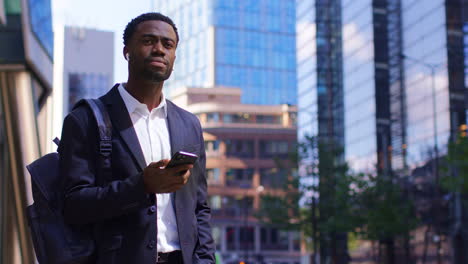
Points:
(180, 158)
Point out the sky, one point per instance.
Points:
(108, 15)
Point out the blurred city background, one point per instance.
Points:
(335, 130)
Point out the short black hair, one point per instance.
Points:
(132, 25)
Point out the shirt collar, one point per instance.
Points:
(133, 104)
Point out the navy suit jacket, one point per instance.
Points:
(123, 216)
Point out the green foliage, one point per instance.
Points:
(456, 166)
(353, 242)
(384, 211)
(369, 206)
(282, 211)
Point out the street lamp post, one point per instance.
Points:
(432, 68)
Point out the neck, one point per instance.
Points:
(148, 93)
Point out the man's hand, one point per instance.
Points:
(158, 179)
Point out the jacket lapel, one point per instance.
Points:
(174, 127)
(123, 124)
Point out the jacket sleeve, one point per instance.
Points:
(84, 201)
(205, 247)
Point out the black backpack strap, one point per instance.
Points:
(104, 125)
(105, 134)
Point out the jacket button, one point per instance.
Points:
(151, 244)
(152, 209)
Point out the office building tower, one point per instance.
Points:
(389, 76)
(248, 44)
(241, 143)
(26, 57)
(88, 63)
(84, 68)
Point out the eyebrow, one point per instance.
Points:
(157, 36)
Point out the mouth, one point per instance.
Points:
(157, 62)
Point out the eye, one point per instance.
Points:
(147, 41)
(168, 44)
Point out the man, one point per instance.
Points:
(141, 212)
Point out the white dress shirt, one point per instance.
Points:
(153, 135)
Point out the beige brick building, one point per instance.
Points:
(241, 142)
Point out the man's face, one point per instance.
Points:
(152, 51)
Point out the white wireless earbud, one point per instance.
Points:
(127, 56)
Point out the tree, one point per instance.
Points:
(455, 181)
(297, 208)
(371, 206)
(456, 166)
(386, 213)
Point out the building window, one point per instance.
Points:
(41, 24)
(212, 117)
(239, 177)
(238, 206)
(216, 232)
(212, 147)
(231, 238)
(215, 202)
(246, 237)
(296, 241)
(273, 177)
(213, 176)
(270, 149)
(239, 148)
(86, 85)
(269, 119)
(238, 118)
(274, 239)
(293, 118)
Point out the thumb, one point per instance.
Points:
(161, 163)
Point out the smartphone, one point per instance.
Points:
(182, 157)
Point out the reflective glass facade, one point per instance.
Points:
(40, 14)
(359, 86)
(86, 85)
(194, 20)
(373, 70)
(306, 68)
(80, 74)
(425, 44)
(247, 44)
(403, 65)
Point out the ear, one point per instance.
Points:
(125, 52)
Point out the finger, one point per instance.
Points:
(183, 167)
(159, 164)
(179, 170)
(186, 176)
(164, 162)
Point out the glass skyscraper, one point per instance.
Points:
(390, 76)
(248, 44)
(79, 75)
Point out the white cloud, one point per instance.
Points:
(306, 40)
(357, 44)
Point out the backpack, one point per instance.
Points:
(56, 242)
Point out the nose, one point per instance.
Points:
(158, 48)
